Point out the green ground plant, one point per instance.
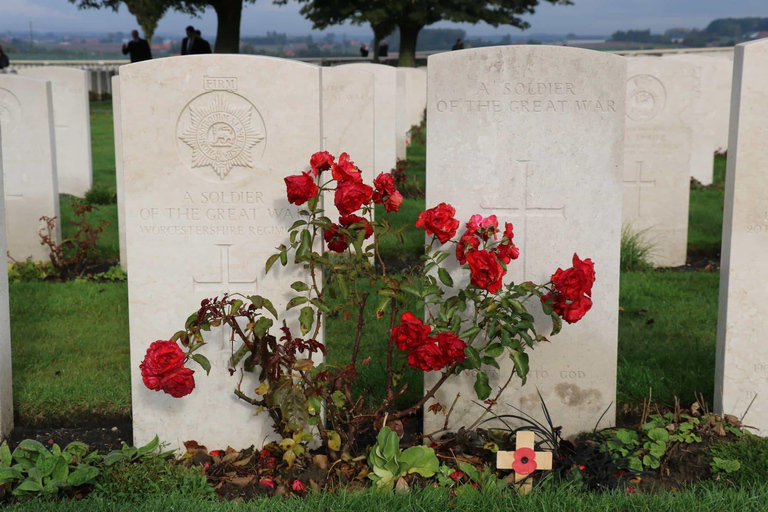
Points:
(635, 250)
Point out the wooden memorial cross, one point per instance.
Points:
(524, 460)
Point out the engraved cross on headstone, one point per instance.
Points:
(638, 183)
(218, 287)
(526, 207)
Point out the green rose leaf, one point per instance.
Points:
(482, 388)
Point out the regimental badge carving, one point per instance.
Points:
(223, 129)
(10, 111)
(646, 97)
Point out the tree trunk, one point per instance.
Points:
(379, 33)
(408, 37)
(148, 27)
(228, 14)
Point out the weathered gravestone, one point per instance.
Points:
(657, 163)
(29, 164)
(415, 95)
(71, 113)
(741, 382)
(118, 134)
(535, 135)
(385, 113)
(711, 111)
(206, 143)
(348, 121)
(402, 116)
(6, 381)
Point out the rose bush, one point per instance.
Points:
(470, 325)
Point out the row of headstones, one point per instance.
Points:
(45, 120)
(203, 148)
(100, 81)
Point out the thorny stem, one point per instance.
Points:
(360, 321)
(390, 349)
(493, 402)
(415, 407)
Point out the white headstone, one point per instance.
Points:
(385, 97)
(535, 135)
(402, 116)
(711, 110)
(657, 163)
(29, 164)
(6, 380)
(348, 121)
(741, 382)
(117, 123)
(207, 141)
(71, 113)
(416, 94)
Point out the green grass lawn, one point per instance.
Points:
(666, 336)
(705, 219)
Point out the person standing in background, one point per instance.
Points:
(188, 43)
(138, 48)
(459, 45)
(4, 60)
(363, 50)
(201, 45)
(384, 49)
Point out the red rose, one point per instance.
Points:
(393, 202)
(386, 193)
(483, 227)
(452, 347)
(427, 358)
(345, 170)
(335, 239)
(467, 241)
(411, 332)
(485, 270)
(351, 196)
(506, 249)
(163, 369)
(301, 188)
(179, 383)
(321, 161)
(576, 281)
(349, 220)
(439, 221)
(569, 310)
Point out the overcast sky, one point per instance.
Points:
(586, 17)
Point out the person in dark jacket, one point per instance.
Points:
(364, 50)
(4, 60)
(384, 49)
(138, 49)
(188, 43)
(459, 45)
(201, 45)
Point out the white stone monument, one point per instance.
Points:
(29, 164)
(415, 95)
(6, 380)
(535, 136)
(741, 382)
(71, 113)
(385, 111)
(206, 143)
(657, 163)
(402, 117)
(711, 111)
(117, 123)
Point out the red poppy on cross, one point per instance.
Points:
(524, 460)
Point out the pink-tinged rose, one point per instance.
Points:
(297, 486)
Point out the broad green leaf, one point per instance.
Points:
(445, 277)
(314, 405)
(658, 434)
(472, 357)
(296, 301)
(334, 441)
(261, 327)
(28, 486)
(494, 350)
(113, 458)
(9, 475)
(271, 261)
(203, 362)
(421, 460)
(482, 388)
(82, 476)
(149, 447)
(300, 286)
(306, 319)
(61, 470)
(520, 359)
(5, 455)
